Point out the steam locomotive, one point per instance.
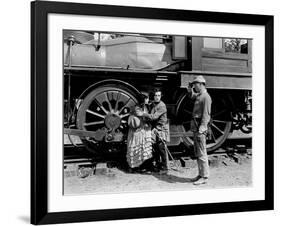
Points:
(105, 74)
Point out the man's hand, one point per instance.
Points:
(202, 129)
(139, 113)
(189, 87)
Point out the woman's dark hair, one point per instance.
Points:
(143, 97)
(157, 90)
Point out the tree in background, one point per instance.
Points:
(235, 45)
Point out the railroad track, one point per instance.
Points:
(79, 155)
(79, 162)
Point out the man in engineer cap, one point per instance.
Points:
(199, 126)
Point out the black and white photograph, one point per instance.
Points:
(155, 112)
(140, 112)
(148, 112)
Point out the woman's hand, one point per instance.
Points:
(139, 113)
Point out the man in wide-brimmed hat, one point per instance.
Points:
(199, 125)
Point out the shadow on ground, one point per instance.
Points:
(173, 178)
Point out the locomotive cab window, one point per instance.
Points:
(227, 45)
(236, 45)
(213, 43)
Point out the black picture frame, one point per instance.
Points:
(39, 112)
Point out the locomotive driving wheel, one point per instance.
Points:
(105, 111)
(220, 123)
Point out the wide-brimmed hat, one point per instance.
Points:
(199, 79)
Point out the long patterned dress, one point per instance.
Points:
(139, 144)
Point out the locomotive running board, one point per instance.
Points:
(80, 133)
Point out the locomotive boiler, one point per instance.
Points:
(105, 74)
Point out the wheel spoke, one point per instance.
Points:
(103, 97)
(218, 129)
(125, 105)
(94, 113)
(215, 120)
(213, 136)
(220, 112)
(100, 105)
(109, 104)
(117, 101)
(123, 116)
(187, 111)
(93, 123)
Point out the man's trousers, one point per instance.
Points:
(200, 152)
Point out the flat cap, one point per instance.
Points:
(199, 79)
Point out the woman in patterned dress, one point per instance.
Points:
(139, 142)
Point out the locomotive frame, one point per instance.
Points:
(40, 213)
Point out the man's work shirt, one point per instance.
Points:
(201, 111)
(158, 118)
